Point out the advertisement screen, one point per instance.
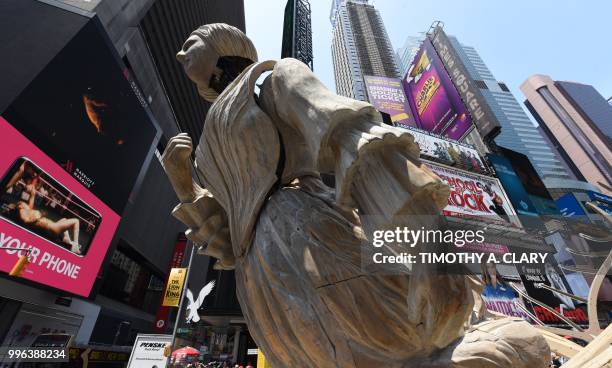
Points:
(476, 196)
(537, 275)
(449, 152)
(516, 192)
(534, 186)
(569, 206)
(483, 117)
(434, 100)
(84, 112)
(498, 295)
(387, 95)
(75, 143)
(47, 210)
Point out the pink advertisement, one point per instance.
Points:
(46, 209)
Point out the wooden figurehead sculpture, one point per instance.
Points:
(296, 245)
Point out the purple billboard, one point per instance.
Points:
(433, 98)
(387, 95)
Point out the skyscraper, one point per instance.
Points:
(578, 121)
(360, 46)
(406, 53)
(518, 132)
(297, 32)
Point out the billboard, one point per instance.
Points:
(75, 141)
(569, 206)
(476, 196)
(537, 274)
(46, 209)
(483, 117)
(387, 95)
(449, 152)
(433, 98)
(498, 295)
(516, 192)
(534, 186)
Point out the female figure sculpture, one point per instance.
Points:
(296, 245)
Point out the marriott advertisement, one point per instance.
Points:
(71, 157)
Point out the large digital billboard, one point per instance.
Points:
(476, 196)
(387, 95)
(436, 105)
(537, 275)
(483, 117)
(449, 152)
(516, 191)
(75, 141)
(534, 186)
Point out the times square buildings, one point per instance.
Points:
(471, 129)
(110, 178)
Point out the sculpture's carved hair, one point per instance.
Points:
(227, 41)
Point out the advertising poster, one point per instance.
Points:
(534, 186)
(476, 196)
(47, 210)
(148, 351)
(533, 277)
(434, 100)
(71, 158)
(174, 288)
(163, 312)
(516, 192)
(449, 152)
(498, 295)
(569, 206)
(483, 117)
(387, 95)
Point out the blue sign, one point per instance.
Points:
(516, 191)
(569, 206)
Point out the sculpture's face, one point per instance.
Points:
(199, 60)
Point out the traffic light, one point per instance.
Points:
(20, 266)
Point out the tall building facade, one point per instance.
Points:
(360, 46)
(518, 132)
(297, 32)
(407, 52)
(578, 121)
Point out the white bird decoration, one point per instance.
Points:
(193, 306)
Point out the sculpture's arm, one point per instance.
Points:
(377, 166)
(198, 209)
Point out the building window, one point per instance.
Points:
(504, 87)
(480, 84)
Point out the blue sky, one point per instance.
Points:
(568, 40)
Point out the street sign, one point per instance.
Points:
(149, 351)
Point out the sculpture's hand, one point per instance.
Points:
(176, 161)
(199, 210)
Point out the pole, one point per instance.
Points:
(180, 307)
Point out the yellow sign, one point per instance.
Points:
(174, 289)
(261, 361)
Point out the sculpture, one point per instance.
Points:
(296, 244)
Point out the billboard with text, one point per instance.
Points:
(433, 98)
(387, 95)
(483, 117)
(476, 196)
(76, 141)
(449, 152)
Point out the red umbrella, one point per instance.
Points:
(182, 353)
